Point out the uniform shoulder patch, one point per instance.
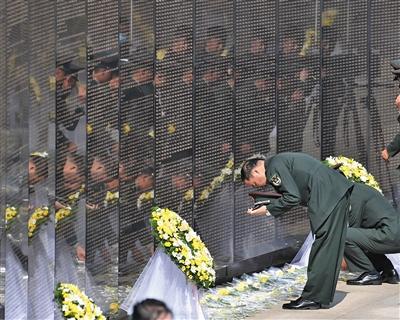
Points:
(276, 180)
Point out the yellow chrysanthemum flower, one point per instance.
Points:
(171, 128)
(184, 246)
(75, 304)
(223, 292)
(39, 215)
(114, 307)
(63, 213)
(217, 181)
(126, 128)
(188, 195)
(353, 170)
(89, 128)
(11, 213)
(160, 54)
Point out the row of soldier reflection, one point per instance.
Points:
(132, 86)
(109, 147)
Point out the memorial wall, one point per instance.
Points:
(108, 108)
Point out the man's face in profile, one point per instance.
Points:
(257, 178)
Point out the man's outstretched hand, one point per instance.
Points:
(385, 154)
(262, 211)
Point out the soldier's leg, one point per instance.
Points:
(380, 261)
(356, 258)
(378, 241)
(326, 255)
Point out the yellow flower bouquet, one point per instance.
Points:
(217, 181)
(74, 197)
(144, 198)
(188, 195)
(184, 246)
(63, 213)
(75, 304)
(11, 214)
(39, 216)
(353, 171)
(111, 198)
(69, 209)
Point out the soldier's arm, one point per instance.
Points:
(287, 187)
(393, 147)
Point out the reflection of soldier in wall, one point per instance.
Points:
(139, 230)
(127, 214)
(333, 89)
(293, 88)
(214, 221)
(215, 43)
(142, 77)
(74, 135)
(180, 48)
(182, 188)
(101, 233)
(255, 92)
(214, 111)
(136, 109)
(338, 95)
(68, 104)
(174, 102)
(70, 179)
(102, 105)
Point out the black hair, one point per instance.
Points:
(149, 309)
(183, 31)
(78, 159)
(147, 171)
(218, 32)
(249, 165)
(41, 164)
(109, 162)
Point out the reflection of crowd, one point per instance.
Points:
(141, 105)
(115, 114)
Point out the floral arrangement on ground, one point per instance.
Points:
(184, 246)
(75, 304)
(249, 294)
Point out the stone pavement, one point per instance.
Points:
(351, 302)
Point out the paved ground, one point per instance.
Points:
(351, 302)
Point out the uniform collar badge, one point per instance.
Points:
(276, 180)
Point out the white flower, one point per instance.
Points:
(226, 171)
(184, 226)
(331, 161)
(204, 194)
(190, 235)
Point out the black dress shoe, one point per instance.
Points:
(366, 278)
(302, 304)
(390, 277)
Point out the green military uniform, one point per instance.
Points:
(393, 147)
(374, 230)
(303, 180)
